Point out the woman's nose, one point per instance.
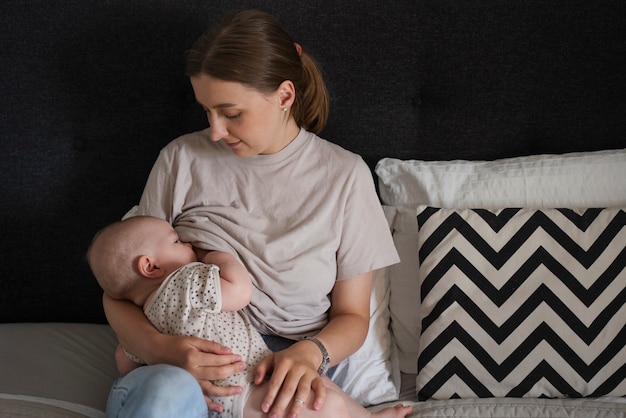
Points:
(218, 130)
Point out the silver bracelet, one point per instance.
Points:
(325, 357)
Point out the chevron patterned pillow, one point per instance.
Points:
(522, 303)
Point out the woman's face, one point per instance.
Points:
(248, 121)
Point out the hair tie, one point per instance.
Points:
(298, 48)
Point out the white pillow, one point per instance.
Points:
(371, 375)
(586, 179)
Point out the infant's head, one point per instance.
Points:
(140, 247)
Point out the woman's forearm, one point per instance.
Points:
(348, 318)
(342, 336)
(134, 332)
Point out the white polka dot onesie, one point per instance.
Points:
(189, 302)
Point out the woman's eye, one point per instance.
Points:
(234, 116)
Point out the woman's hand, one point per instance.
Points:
(292, 379)
(206, 361)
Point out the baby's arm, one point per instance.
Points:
(235, 280)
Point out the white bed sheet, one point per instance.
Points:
(12, 406)
(71, 363)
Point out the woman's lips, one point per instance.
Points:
(233, 144)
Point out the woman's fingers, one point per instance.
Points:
(285, 388)
(303, 399)
(210, 390)
(206, 360)
(213, 406)
(217, 367)
(291, 381)
(319, 389)
(263, 369)
(207, 346)
(273, 387)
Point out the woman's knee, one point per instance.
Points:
(157, 391)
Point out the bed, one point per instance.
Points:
(463, 110)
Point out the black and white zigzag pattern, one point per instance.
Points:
(522, 302)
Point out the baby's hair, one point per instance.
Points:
(251, 47)
(110, 257)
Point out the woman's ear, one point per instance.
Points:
(147, 267)
(286, 94)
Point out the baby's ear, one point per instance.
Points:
(146, 266)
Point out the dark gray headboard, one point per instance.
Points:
(91, 90)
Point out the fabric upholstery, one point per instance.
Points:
(91, 91)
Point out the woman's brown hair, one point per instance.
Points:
(251, 47)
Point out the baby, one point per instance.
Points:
(141, 259)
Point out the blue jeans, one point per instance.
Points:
(157, 391)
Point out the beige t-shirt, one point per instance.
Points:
(299, 220)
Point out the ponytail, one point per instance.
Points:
(312, 102)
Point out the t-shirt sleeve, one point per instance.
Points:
(157, 197)
(366, 242)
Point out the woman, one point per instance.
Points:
(301, 214)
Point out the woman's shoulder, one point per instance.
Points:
(193, 144)
(191, 139)
(331, 151)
